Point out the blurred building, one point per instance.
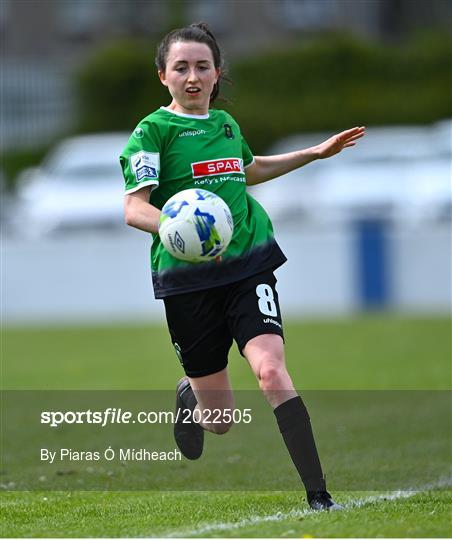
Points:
(42, 42)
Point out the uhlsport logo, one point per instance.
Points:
(217, 166)
(271, 321)
(192, 132)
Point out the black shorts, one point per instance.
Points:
(203, 324)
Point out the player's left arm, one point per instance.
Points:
(266, 168)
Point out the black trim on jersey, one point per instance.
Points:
(215, 274)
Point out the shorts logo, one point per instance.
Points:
(145, 165)
(272, 321)
(217, 166)
(178, 351)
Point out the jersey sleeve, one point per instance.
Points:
(248, 157)
(140, 159)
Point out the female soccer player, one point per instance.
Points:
(188, 145)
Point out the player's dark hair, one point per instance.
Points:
(200, 33)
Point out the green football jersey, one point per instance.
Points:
(171, 152)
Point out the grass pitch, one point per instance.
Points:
(372, 353)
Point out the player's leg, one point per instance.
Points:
(213, 395)
(200, 402)
(265, 354)
(202, 341)
(257, 327)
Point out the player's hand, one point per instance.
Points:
(336, 143)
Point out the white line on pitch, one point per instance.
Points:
(280, 516)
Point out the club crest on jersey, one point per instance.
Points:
(217, 166)
(228, 131)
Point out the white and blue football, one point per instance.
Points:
(196, 225)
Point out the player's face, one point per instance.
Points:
(190, 76)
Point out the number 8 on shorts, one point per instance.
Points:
(266, 301)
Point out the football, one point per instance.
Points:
(196, 225)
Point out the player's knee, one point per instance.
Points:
(272, 376)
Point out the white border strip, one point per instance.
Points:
(280, 516)
(141, 186)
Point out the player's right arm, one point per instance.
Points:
(139, 213)
(140, 163)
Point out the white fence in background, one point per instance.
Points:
(100, 277)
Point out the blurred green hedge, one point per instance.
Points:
(333, 84)
(329, 83)
(118, 86)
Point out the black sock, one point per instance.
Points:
(295, 427)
